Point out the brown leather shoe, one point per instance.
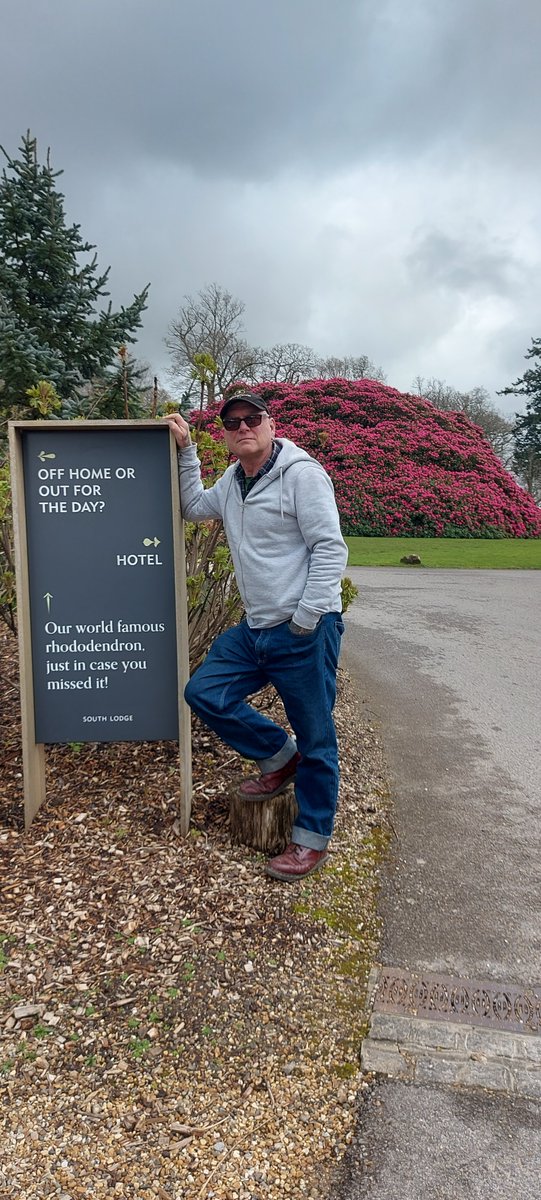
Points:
(271, 783)
(295, 863)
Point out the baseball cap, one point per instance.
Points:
(247, 398)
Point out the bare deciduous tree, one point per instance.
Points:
(351, 367)
(286, 362)
(210, 324)
(475, 404)
(209, 351)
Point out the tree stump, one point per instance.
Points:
(263, 824)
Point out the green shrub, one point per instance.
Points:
(349, 592)
(213, 598)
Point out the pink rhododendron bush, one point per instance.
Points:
(400, 467)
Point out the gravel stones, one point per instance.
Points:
(174, 1024)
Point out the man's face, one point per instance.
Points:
(244, 441)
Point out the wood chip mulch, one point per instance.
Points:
(173, 1023)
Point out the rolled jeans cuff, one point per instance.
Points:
(266, 765)
(306, 837)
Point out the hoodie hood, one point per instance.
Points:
(284, 537)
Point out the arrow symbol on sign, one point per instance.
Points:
(48, 597)
(151, 542)
(42, 455)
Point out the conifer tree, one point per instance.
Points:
(52, 325)
(527, 430)
(123, 391)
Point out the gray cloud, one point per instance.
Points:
(247, 88)
(362, 174)
(474, 263)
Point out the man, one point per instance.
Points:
(281, 522)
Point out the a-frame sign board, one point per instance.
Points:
(101, 590)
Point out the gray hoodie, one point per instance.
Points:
(285, 541)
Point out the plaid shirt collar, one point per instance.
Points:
(245, 487)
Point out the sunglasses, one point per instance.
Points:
(252, 421)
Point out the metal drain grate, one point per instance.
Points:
(500, 1006)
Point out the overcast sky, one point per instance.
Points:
(364, 174)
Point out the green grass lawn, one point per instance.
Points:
(446, 552)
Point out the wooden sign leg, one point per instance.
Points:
(33, 753)
(34, 778)
(183, 653)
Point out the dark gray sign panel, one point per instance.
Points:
(101, 582)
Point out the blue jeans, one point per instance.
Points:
(303, 671)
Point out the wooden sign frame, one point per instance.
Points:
(33, 752)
